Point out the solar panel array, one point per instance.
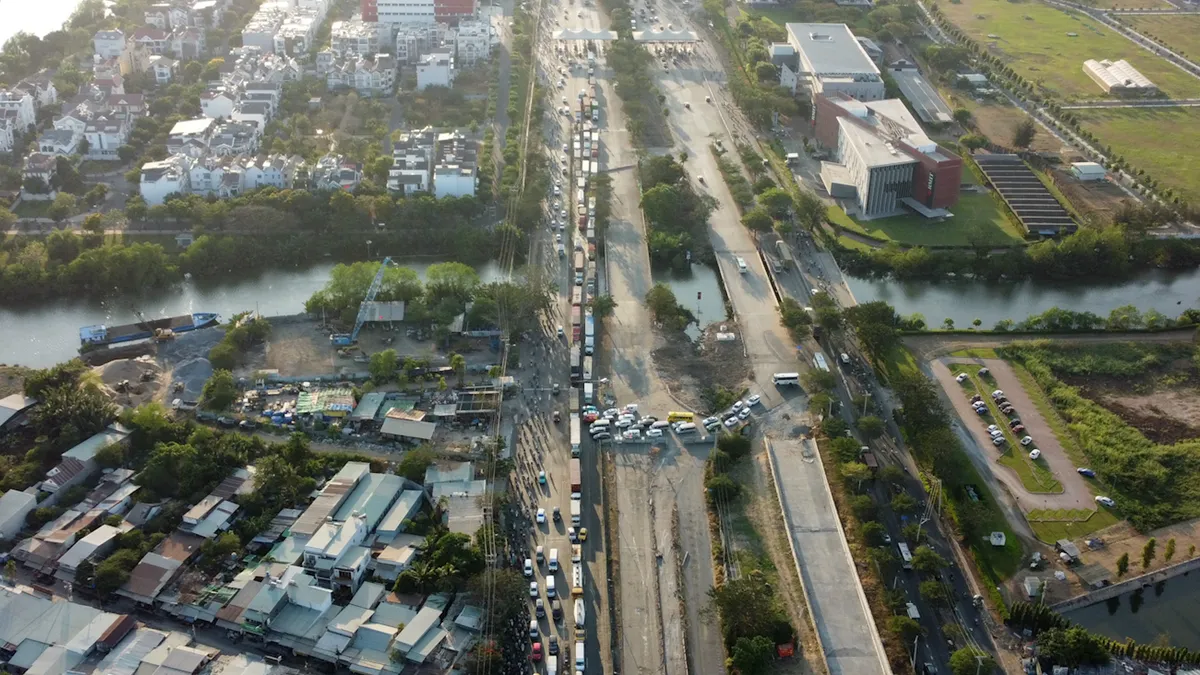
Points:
(1037, 209)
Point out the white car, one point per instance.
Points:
(566, 148)
(744, 413)
(992, 427)
(731, 422)
(983, 372)
(572, 536)
(962, 377)
(654, 433)
(533, 589)
(630, 408)
(754, 399)
(564, 214)
(998, 440)
(1106, 501)
(623, 424)
(996, 434)
(558, 238)
(612, 412)
(998, 394)
(557, 191)
(1027, 440)
(1035, 453)
(632, 435)
(736, 406)
(708, 421)
(541, 516)
(528, 567)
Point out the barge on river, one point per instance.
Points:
(99, 336)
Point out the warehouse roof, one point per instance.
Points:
(408, 428)
(830, 49)
(11, 406)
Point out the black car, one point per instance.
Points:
(227, 422)
(556, 609)
(248, 424)
(552, 645)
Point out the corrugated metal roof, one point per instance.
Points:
(372, 497)
(368, 406)
(408, 428)
(331, 497)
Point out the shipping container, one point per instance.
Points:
(574, 401)
(576, 296)
(579, 261)
(575, 433)
(587, 369)
(576, 481)
(576, 373)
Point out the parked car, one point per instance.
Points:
(984, 372)
(976, 399)
(541, 516)
(533, 589)
(731, 422)
(998, 441)
(1086, 472)
(654, 433)
(528, 567)
(1106, 501)
(992, 428)
(1027, 440)
(754, 399)
(961, 377)
(1013, 422)
(1018, 429)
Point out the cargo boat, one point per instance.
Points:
(98, 336)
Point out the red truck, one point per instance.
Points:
(576, 484)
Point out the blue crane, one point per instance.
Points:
(343, 339)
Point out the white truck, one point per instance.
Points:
(576, 434)
(576, 513)
(579, 613)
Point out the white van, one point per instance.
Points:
(578, 656)
(551, 591)
(553, 560)
(598, 426)
(786, 379)
(741, 263)
(686, 428)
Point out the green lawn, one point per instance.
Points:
(899, 361)
(976, 216)
(1128, 4)
(1050, 525)
(975, 353)
(1181, 32)
(1163, 142)
(1034, 40)
(32, 209)
(1035, 474)
(854, 243)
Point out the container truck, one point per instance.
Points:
(576, 434)
(589, 335)
(587, 369)
(580, 614)
(576, 553)
(576, 374)
(576, 512)
(587, 391)
(579, 261)
(576, 296)
(576, 479)
(574, 402)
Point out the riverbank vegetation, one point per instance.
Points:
(242, 237)
(245, 331)
(1062, 643)
(449, 289)
(676, 215)
(1153, 480)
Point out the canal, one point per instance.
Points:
(965, 301)
(43, 336)
(698, 289)
(1166, 610)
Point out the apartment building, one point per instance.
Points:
(373, 76)
(354, 37)
(412, 41)
(472, 42)
(412, 162)
(404, 11)
(23, 107)
(435, 69)
(455, 169)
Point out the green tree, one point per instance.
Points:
(904, 504)
(111, 456)
(926, 561)
(10, 571)
(870, 426)
(875, 323)
(383, 365)
(415, 462)
(736, 446)
(1148, 552)
(863, 507)
(1170, 552)
(1024, 134)
(873, 533)
(969, 661)
(220, 391)
(93, 224)
(749, 606)
(721, 487)
(904, 626)
(973, 141)
(1073, 647)
(855, 473)
(934, 593)
(963, 116)
(758, 220)
(459, 364)
(818, 380)
(85, 571)
(752, 655)
(603, 306)
(776, 201)
(1123, 564)
(63, 207)
(223, 356)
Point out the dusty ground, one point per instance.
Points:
(688, 368)
(11, 379)
(1165, 411)
(144, 376)
(999, 122)
(1099, 198)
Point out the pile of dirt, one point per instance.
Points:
(131, 382)
(691, 367)
(12, 379)
(1147, 415)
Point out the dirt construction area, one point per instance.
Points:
(1074, 494)
(689, 368)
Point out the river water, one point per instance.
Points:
(1164, 609)
(965, 301)
(43, 336)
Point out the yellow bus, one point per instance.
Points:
(681, 417)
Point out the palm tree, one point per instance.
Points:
(459, 364)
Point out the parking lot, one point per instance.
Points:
(1074, 492)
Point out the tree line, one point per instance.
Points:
(1089, 254)
(676, 215)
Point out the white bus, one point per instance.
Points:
(786, 379)
(819, 361)
(905, 555)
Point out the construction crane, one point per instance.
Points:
(344, 339)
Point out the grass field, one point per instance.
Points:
(1163, 142)
(1035, 474)
(1050, 525)
(1035, 40)
(1181, 32)
(974, 213)
(899, 361)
